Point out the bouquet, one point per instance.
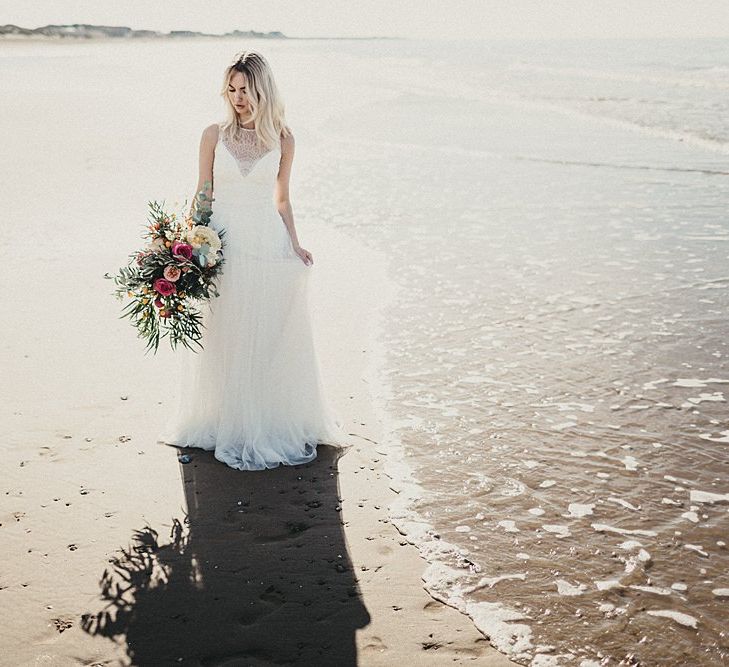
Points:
(179, 265)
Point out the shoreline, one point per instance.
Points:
(408, 625)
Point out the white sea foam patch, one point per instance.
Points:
(549, 659)
(695, 383)
(608, 584)
(508, 525)
(724, 437)
(631, 545)
(644, 556)
(512, 487)
(583, 407)
(580, 509)
(691, 516)
(605, 528)
(490, 582)
(697, 548)
(558, 530)
(655, 590)
(497, 622)
(721, 592)
(716, 396)
(563, 425)
(564, 587)
(708, 497)
(493, 619)
(677, 616)
(630, 463)
(623, 503)
(652, 384)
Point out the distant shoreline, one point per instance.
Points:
(83, 31)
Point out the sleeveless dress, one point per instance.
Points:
(254, 393)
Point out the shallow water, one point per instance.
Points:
(555, 358)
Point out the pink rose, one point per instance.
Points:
(181, 249)
(172, 273)
(164, 287)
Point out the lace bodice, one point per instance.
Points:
(246, 151)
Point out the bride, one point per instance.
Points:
(254, 394)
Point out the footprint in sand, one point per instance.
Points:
(434, 607)
(374, 644)
(270, 600)
(273, 596)
(293, 528)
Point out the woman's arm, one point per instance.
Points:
(283, 201)
(205, 163)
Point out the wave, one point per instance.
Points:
(693, 138)
(700, 140)
(615, 165)
(479, 91)
(631, 77)
(489, 154)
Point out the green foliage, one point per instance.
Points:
(176, 316)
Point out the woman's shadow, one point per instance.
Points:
(257, 573)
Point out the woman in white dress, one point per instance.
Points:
(254, 394)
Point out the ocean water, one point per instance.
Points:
(556, 355)
(552, 366)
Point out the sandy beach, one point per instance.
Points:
(519, 298)
(117, 553)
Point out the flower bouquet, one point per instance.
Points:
(180, 264)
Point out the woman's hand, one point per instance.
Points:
(304, 254)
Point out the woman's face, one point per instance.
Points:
(238, 94)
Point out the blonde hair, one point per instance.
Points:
(264, 100)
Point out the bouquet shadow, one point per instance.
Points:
(257, 573)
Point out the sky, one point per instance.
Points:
(448, 19)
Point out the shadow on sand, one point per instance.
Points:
(257, 573)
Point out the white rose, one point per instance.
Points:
(201, 235)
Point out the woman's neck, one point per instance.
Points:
(241, 123)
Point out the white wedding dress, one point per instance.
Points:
(254, 394)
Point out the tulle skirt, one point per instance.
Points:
(254, 394)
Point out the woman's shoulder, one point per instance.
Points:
(286, 137)
(211, 132)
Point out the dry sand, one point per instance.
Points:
(116, 553)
